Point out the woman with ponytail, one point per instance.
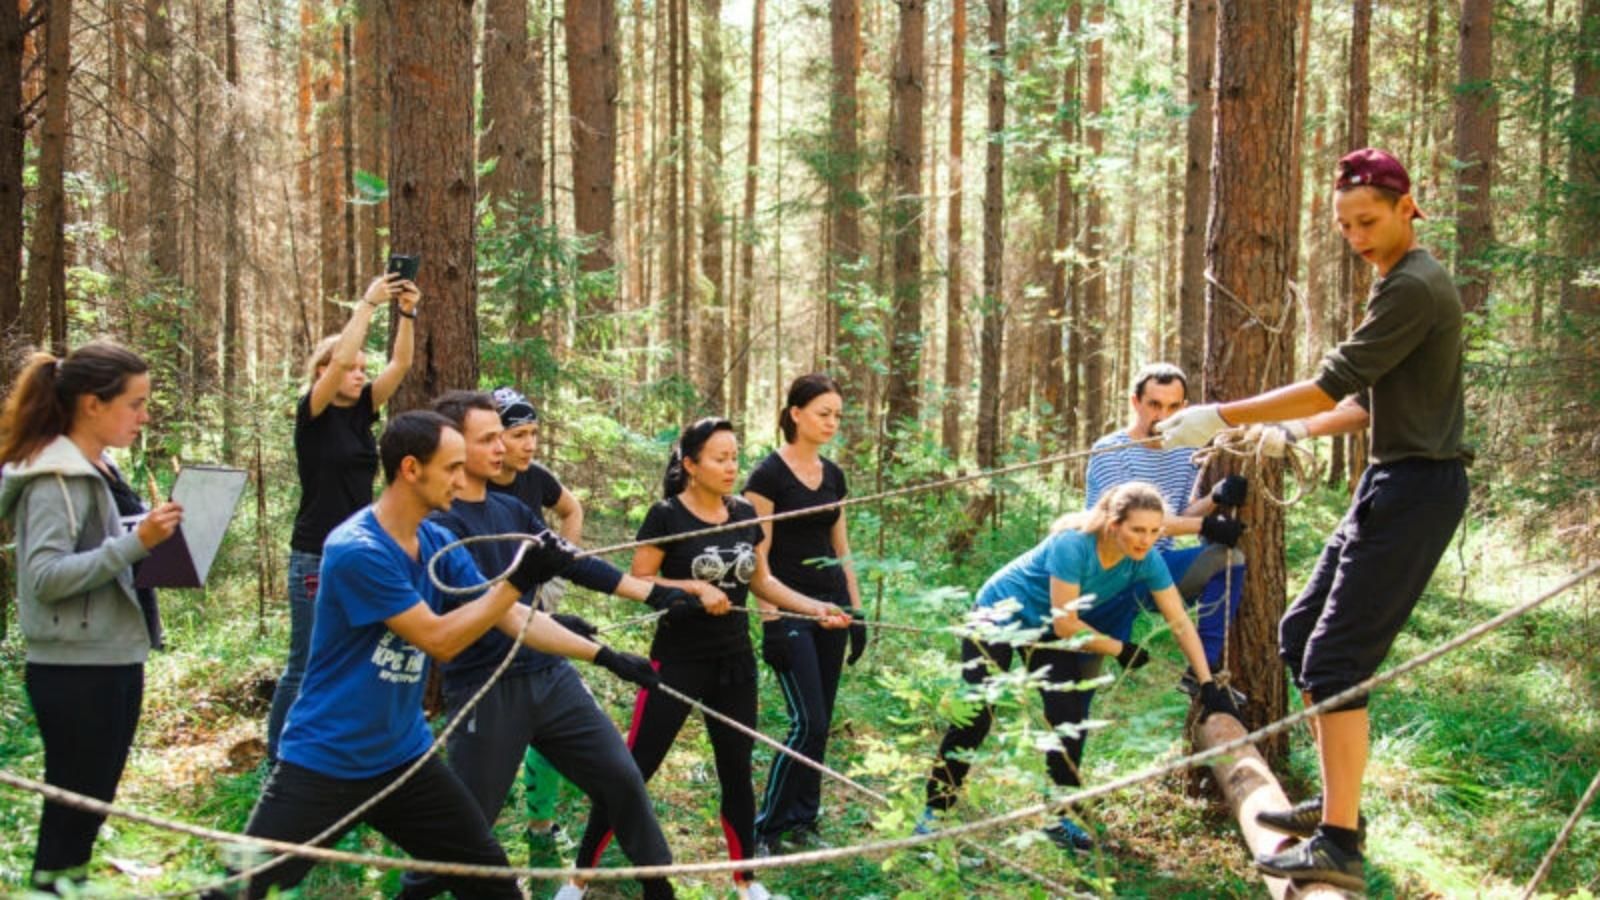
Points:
(88, 629)
(698, 648)
(1082, 584)
(812, 555)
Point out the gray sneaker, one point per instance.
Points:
(1318, 859)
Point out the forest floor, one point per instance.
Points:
(1477, 759)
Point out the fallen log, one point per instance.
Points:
(1249, 787)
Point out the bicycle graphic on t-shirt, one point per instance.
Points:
(716, 564)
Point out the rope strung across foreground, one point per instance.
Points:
(824, 855)
(1561, 838)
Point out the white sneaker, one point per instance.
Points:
(569, 891)
(754, 890)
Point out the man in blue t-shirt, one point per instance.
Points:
(540, 701)
(1159, 391)
(357, 723)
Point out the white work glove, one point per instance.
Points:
(1191, 427)
(1275, 437)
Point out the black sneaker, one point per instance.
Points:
(806, 837)
(1317, 859)
(1302, 819)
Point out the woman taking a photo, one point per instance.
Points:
(812, 555)
(1103, 554)
(337, 459)
(698, 648)
(88, 629)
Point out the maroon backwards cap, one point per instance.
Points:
(1371, 167)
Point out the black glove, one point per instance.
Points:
(628, 667)
(1221, 529)
(678, 604)
(542, 559)
(1230, 491)
(858, 635)
(1132, 656)
(775, 645)
(1214, 698)
(578, 625)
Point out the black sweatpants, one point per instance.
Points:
(810, 685)
(551, 711)
(1372, 571)
(87, 716)
(726, 684)
(1060, 707)
(430, 817)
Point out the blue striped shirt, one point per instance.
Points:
(1171, 471)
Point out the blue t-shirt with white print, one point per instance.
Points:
(1070, 557)
(359, 712)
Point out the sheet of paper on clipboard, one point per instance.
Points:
(209, 495)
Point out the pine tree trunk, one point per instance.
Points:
(12, 133)
(1580, 302)
(233, 173)
(677, 304)
(508, 134)
(992, 302)
(1202, 42)
(166, 257)
(1355, 276)
(46, 300)
(714, 306)
(591, 31)
(955, 264)
(1094, 296)
(844, 184)
(1066, 236)
(745, 307)
(1249, 249)
(433, 191)
(328, 89)
(905, 216)
(371, 21)
(1477, 132)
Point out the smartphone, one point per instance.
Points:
(404, 266)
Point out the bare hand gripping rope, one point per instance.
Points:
(815, 856)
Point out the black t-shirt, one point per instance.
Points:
(801, 555)
(129, 504)
(502, 514)
(337, 458)
(536, 486)
(727, 560)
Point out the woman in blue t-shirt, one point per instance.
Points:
(336, 457)
(1080, 584)
(698, 648)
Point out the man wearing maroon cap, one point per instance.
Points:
(1400, 373)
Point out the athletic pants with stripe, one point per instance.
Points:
(810, 684)
(726, 684)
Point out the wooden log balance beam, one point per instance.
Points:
(1249, 787)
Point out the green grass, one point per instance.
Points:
(1477, 759)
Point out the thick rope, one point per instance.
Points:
(1134, 779)
(1561, 838)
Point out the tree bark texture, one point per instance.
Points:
(905, 215)
(1093, 324)
(432, 190)
(47, 251)
(992, 302)
(712, 311)
(844, 178)
(955, 262)
(508, 135)
(1477, 133)
(1355, 276)
(1248, 248)
(591, 30)
(1202, 41)
(745, 306)
(166, 258)
(1581, 301)
(12, 134)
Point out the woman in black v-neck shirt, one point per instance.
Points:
(701, 650)
(336, 457)
(812, 555)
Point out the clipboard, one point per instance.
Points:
(209, 495)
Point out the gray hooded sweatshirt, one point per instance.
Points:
(75, 594)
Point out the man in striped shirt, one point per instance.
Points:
(1159, 391)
